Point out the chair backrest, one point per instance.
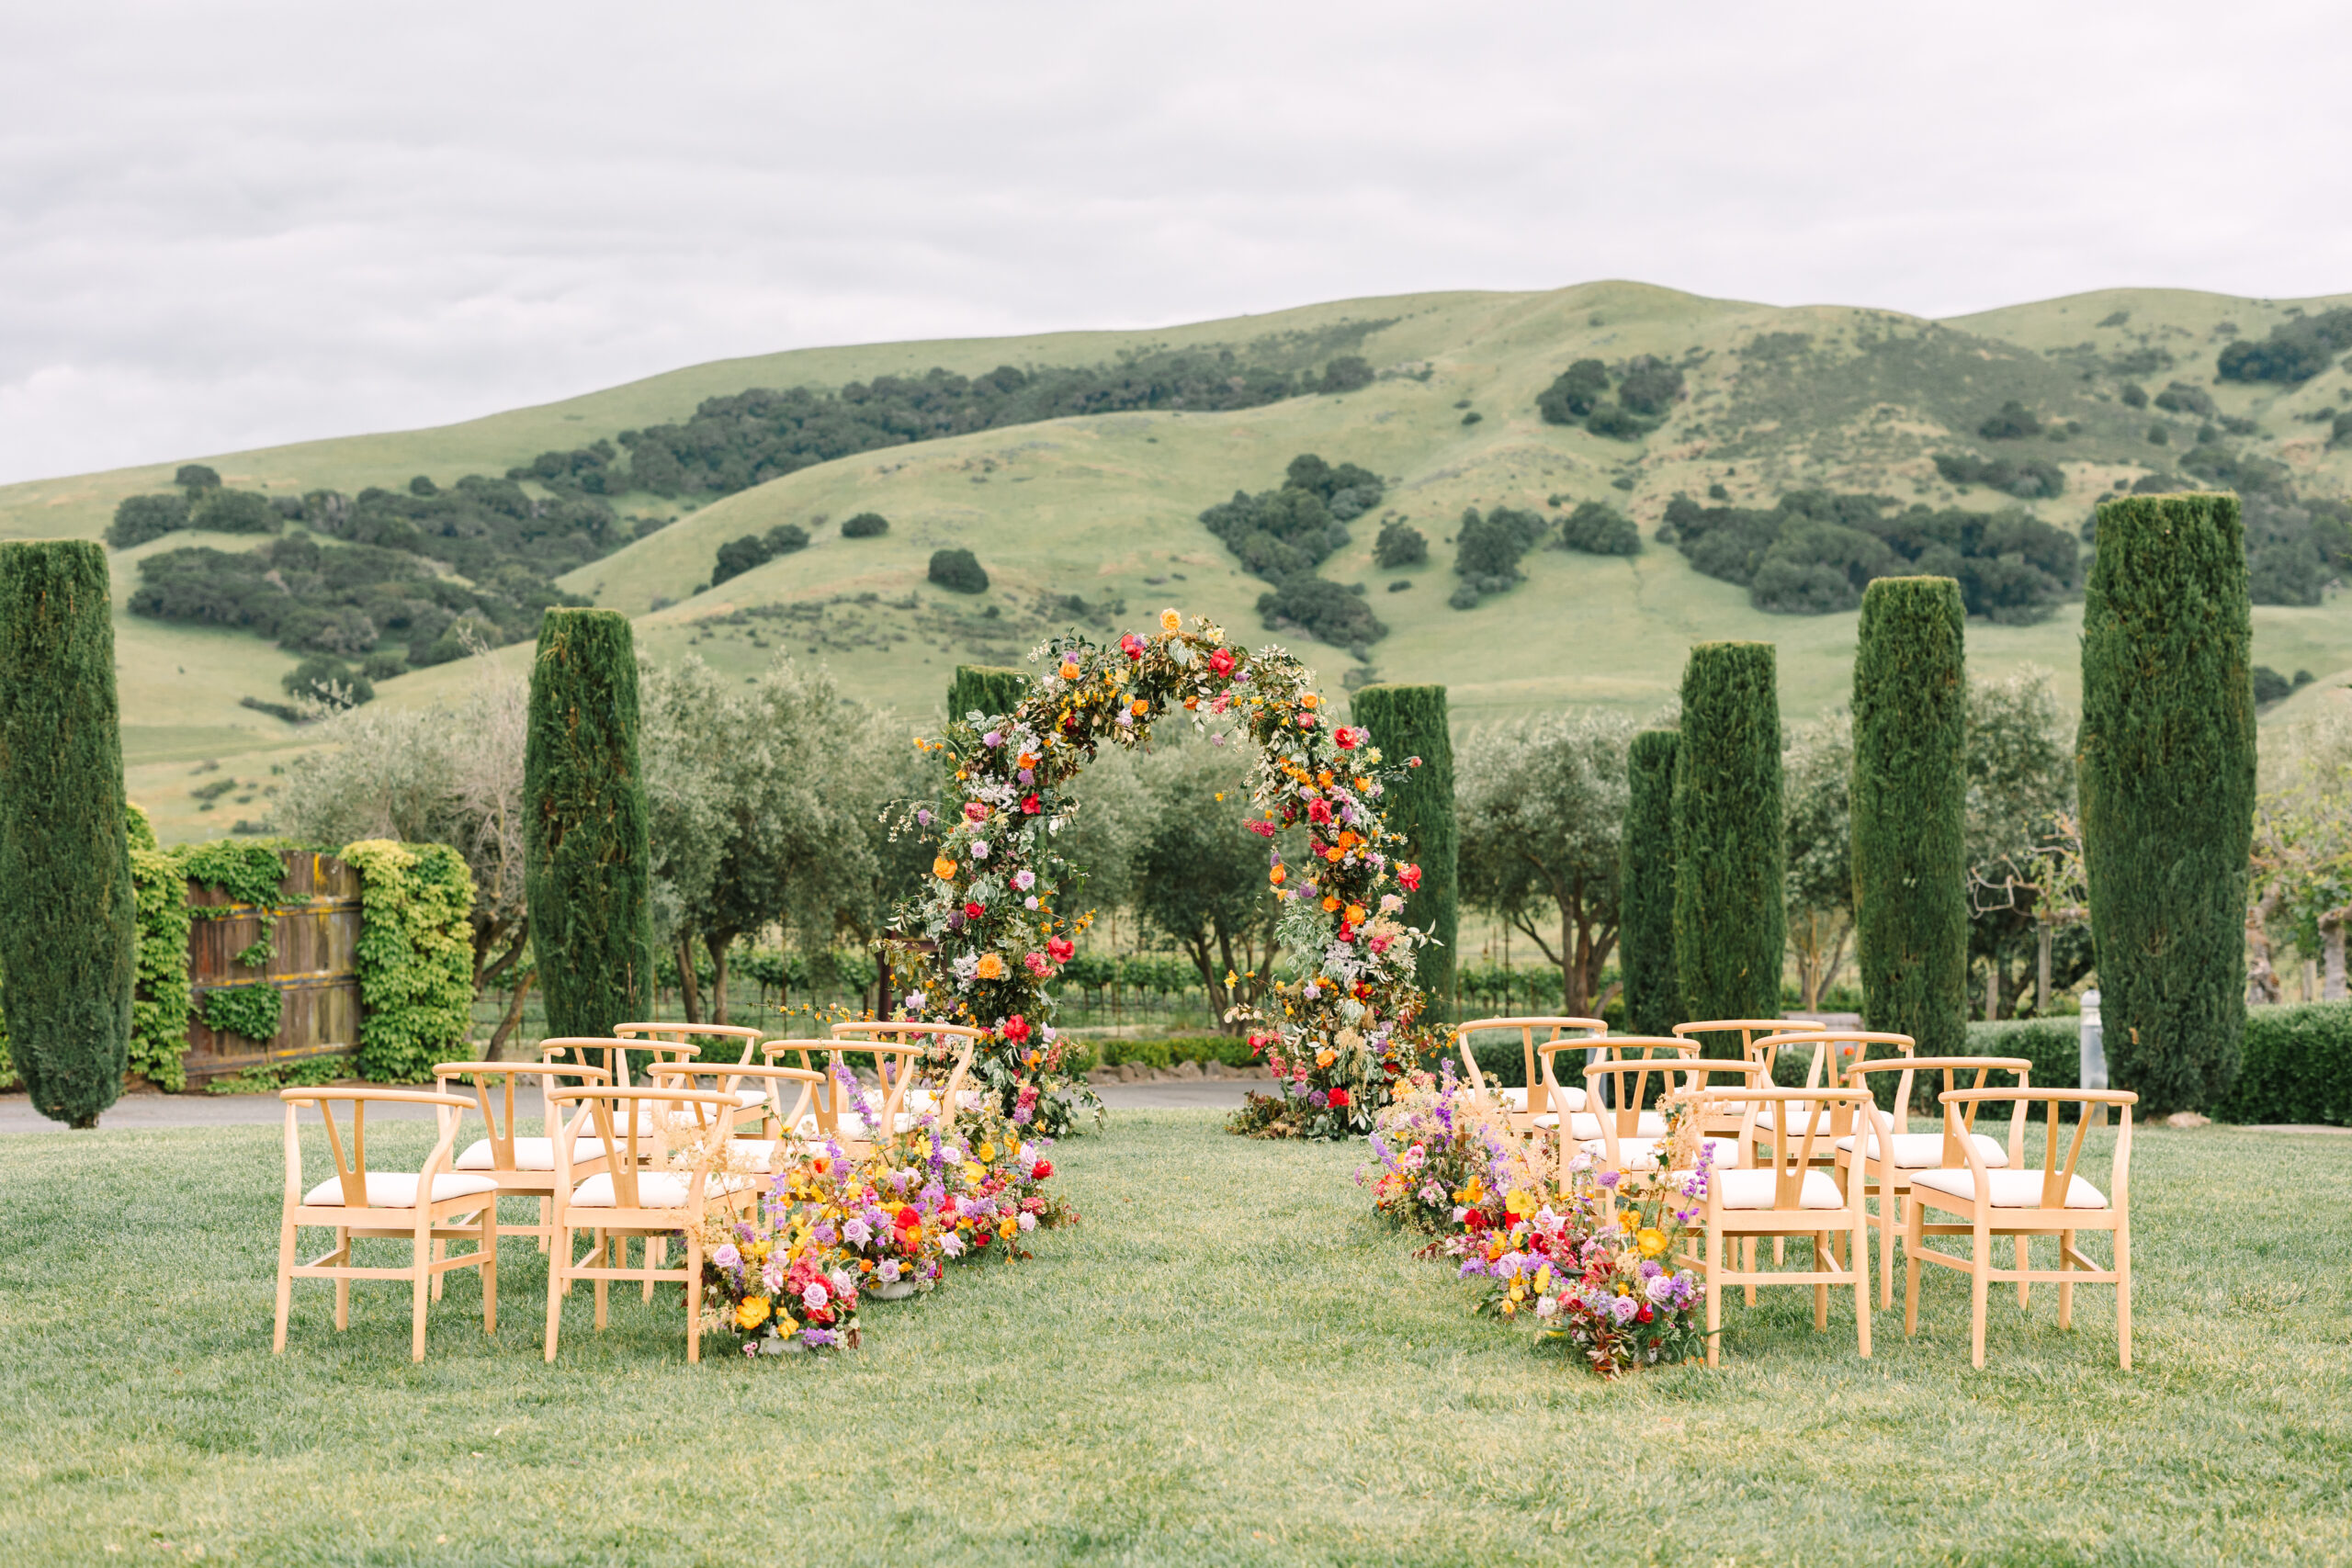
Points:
(771, 1077)
(1630, 1078)
(612, 1053)
(1714, 1119)
(2057, 1176)
(896, 1067)
(352, 1171)
(1604, 1048)
(498, 1115)
(1748, 1030)
(1800, 1139)
(1835, 1051)
(938, 1040)
(1538, 1098)
(742, 1035)
(637, 1128)
(1858, 1075)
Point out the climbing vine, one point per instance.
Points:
(160, 1002)
(990, 927)
(416, 987)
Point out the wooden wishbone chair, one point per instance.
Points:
(1887, 1170)
(427, 1208)
(2022, 1202)
(521, 1166)
(1527, 1107)
(1581, 1126)
(1834, 1054)
(639, 1193)
(756, 1157)
(1792, 1196)
(1631, 1141)
(1750, 1031)
(742, 1037)
(939, 1042)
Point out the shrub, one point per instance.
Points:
(69, 939)
(1730, 923)
(1574, 393)
(1348, 373)
(586, 859)
(317, 677)
(958, 571)
(234, 511)
(2296, 1066)
(985, 690)
(1650, 386)
(2183, 398)
(416, 957)
(138, 518)
(1645, 926)
(1400, 544)
(1599, 529)
(1910, 802)
(1617, 422)
(1487, 550)
(740, 555)
(1409, 722)
(2167, 753)
(1323, 609)
(2269, 686)
(2013, 422)
(2054, 1047)
(2134, 395)
(2296, 350)
(865, 525)
(196, 476)
(2028, 480)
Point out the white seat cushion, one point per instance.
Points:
(530, 1153)
(1767, 1120)
(655, 1190)
(851, 1126)
(2011, 1189)
(391, 1190)
(1924, 1151)
(1754, 1189)
(1640, 1154)
(1515, 1101)
(752, 1153)
(1583, 1125)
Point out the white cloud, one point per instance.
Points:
(240, 224)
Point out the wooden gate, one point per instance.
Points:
(315, 949)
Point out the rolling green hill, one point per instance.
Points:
(1103, 508)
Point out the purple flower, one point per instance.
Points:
(858, 1231)
(887, 1271)
(1651, 1268)
(923, 816)
(819, 1339)
(992, 738)
(1608, 1178)
(827, 1234)
(726, 1256)
(1028, 776)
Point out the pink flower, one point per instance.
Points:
(1132, 646)
(1221, 660)
(1410, 875)
(1346, 739)
(1038, 965)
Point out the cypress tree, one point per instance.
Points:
(2167, 757)
(1405, 722)
(1645, 925)
(1730, 923)
(69, 936)
(1910, 811)
(989, 690)
(586, 861)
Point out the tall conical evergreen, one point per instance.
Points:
(1410, 721)
(987, 689)
(69, 936)
(1911, 811)
(587, 863)
(1730, 853)
(2167, 775)
(1646, 924)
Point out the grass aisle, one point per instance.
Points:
(1229, 1361)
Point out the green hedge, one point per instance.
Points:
(1645, 925)
(1232, 1050)
(1730, 921)
(2297, 1066)
(1408, 722)
(415, 956)
(985, 689)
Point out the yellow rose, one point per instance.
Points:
(944, 868)
(1651, 1242)
(1139, 707)
(751, 1312)
(987, 1154)
(1326, 1056)
(1170, 621)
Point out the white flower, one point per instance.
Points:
(726, 1256)
(856, 1232)
(1028, 1221)
(979, 848)
(1546, 1305)
(887, 1271)
(953, 1244)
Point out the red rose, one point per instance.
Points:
(1262, 828)
(974, 911)
(1132, 646)
(1474, 1220)
(1058, 950)
(1221, 660)
(906, 1219)
(1029, 806)
(1042, 1169)
(1319, 811)
(1347, 738)
(1410, 875)
(1338, 1097)
(1015, 1029)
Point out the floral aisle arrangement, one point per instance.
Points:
(1438, 1155)
(992, 927)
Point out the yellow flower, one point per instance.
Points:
(1331, 905)
(1652, 1242)
(1355, 914)
(751, 1312)
(1542, 1278)
(944, 868)
(974, 1174)
(1170, 621)
(1326, 1056)
(1474, 1193)
(1007, 1225)
(991, 967)
(1520, 1203)
(987, 1154)
(1276, 875)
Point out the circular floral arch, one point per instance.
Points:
(990, 929)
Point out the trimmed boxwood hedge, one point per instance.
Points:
(2296, 1065)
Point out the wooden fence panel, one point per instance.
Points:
(314, 964)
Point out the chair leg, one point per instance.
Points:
(286, 1244)
(693, 1301)
(440, 1251)
(342, 1286)
(2024, 1286)
(1824, 1259)
(559, 1257)
(1714, 1295)
(2065, 1291)
(2123, 1294)
(1913, 1240)
(657, 1250)
(1890, 1212)
(421, 1279)
(489, 1244)
(1862, 1251)
(602, 1299)
(543, 1224)
(1748, 1260)
(1980, 1283)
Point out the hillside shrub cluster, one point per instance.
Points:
(1646, 387)
(2011, 422)
(1487, 551)
(739, 556)
(865, 525)
(2296, 350)
(1401, 544)
(2028, 480)
(958, 571)
(1815, 552)
(1283, 535)
(1598, 528)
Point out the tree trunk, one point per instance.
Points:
(2331, 932)
(882, 983)
(1572, 978)
(1992, 989)
(2042, 971)
(688, 992)
(719, 942)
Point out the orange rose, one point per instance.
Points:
(943, 869)
(991, 967)
(1276, 875)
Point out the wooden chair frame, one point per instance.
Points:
(500, 1120)
(719, 1034)
(1748, 1029)
(901, 1051)
(619, 1120)
(1612, 1048)
(1620, 1122)
(1791, 1168)
(1986, 1221)
(1890, 1182)
(427, 1224)
(1538, 1094)
(776, 1112)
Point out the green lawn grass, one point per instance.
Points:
(1229, 1361)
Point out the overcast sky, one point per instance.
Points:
(226, 225)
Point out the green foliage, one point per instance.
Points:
(865, 525)
(250, 1010)
(234, 511)
(1201, 874)
(1283, 534)
(2295, 351)
(1910, 864)
(1409, 722)
(2297, 1066)
(1487, 550)
(2028, 480)
(2012, 421)
(2134, 395)
(2182, 397)
(248, 873)
(415, 956)
(1599, 529)
(138, 518)
(1818, 549)
(1645, 930)
(740, 555)
(1399, 544)
(2054, 1047)
(985, 690)
(2167, 756)
(1574, 393)
(1649, 386)
(68, 917)
(161, 1000)
(196, 479)
(323, 678)
(1729, 858)
(958, 571)
(586, 858)
(1324, 610)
